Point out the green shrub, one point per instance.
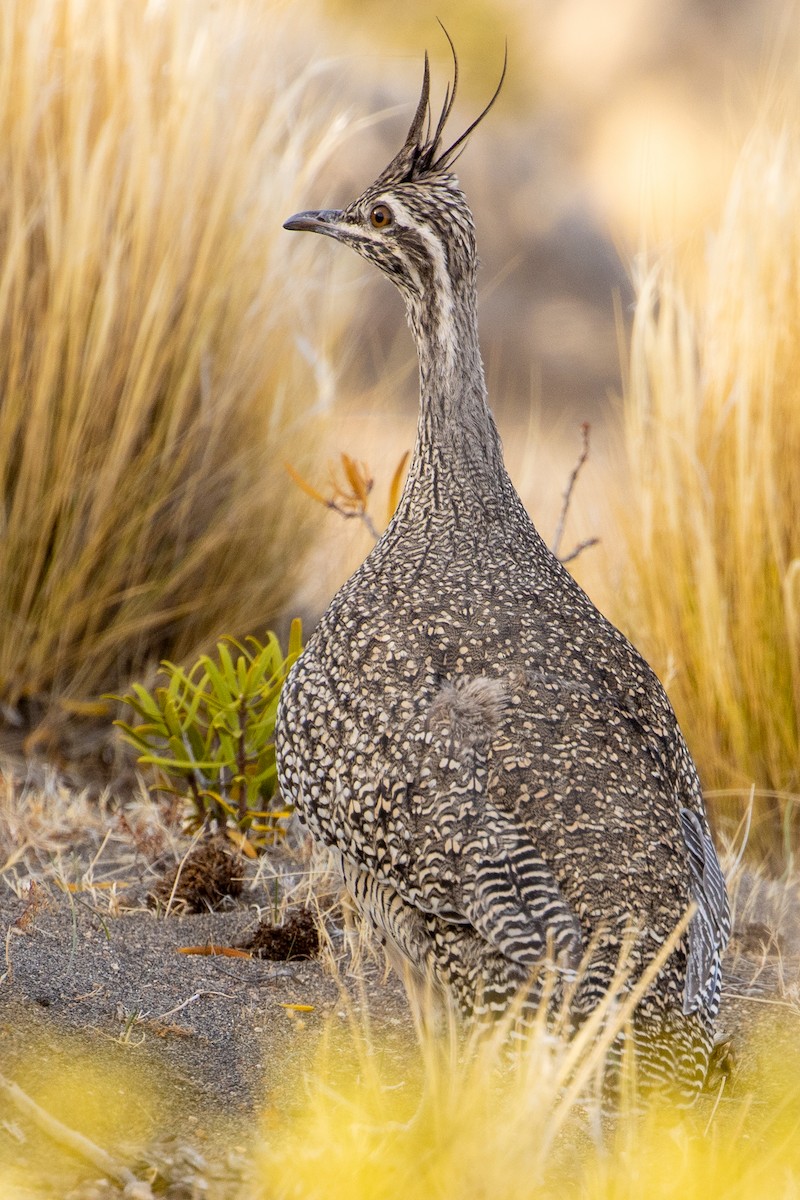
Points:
(208, 734)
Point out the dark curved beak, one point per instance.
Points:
(315, 222)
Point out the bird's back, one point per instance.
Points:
(462, 702)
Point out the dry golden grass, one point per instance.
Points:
(711, 509)
(376, 1122)
(376, 1126)
(149, 310)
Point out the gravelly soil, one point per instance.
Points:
(91, 970)
(217, 1021)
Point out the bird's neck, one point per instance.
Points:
(458, 454)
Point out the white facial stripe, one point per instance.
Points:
(444, 289)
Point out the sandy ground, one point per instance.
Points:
(92, 969)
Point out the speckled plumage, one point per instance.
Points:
(496, 769)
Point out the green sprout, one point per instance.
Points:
(208, 734)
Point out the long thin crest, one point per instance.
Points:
(449, 97)
(402, 165)
(448, 157)
(422, 108)
(419, 154)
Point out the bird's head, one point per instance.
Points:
(414, 221)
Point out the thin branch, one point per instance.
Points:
(567, 498)
(579, 549)
(361, 513)
(346, 504)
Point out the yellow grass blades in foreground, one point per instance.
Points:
(491, 1115)
(374, 1122)
(713, 511)
(149, 383)
(378, 1118)
(378, 1121)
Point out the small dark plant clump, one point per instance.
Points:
(201, 880)
(208, 736)
(296, 938)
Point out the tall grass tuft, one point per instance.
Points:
(149, 309)
(712, 510)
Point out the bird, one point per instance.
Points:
(495, 770)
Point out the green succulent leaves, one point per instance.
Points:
(208, 733)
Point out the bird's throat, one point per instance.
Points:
(458, 449)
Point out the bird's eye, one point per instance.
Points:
(381, 216)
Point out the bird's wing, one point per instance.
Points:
(709, 928)
(475, 862)
(514, 900)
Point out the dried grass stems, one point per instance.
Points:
(444, 1115)
(116, 856)
(91, 848)
(711, 510)
(150, 313)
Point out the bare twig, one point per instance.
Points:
(579, 549)
(352, 499)
(352, 503)
(361, 513)
(76, 1142)
(189, 1000)
(562, 519)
